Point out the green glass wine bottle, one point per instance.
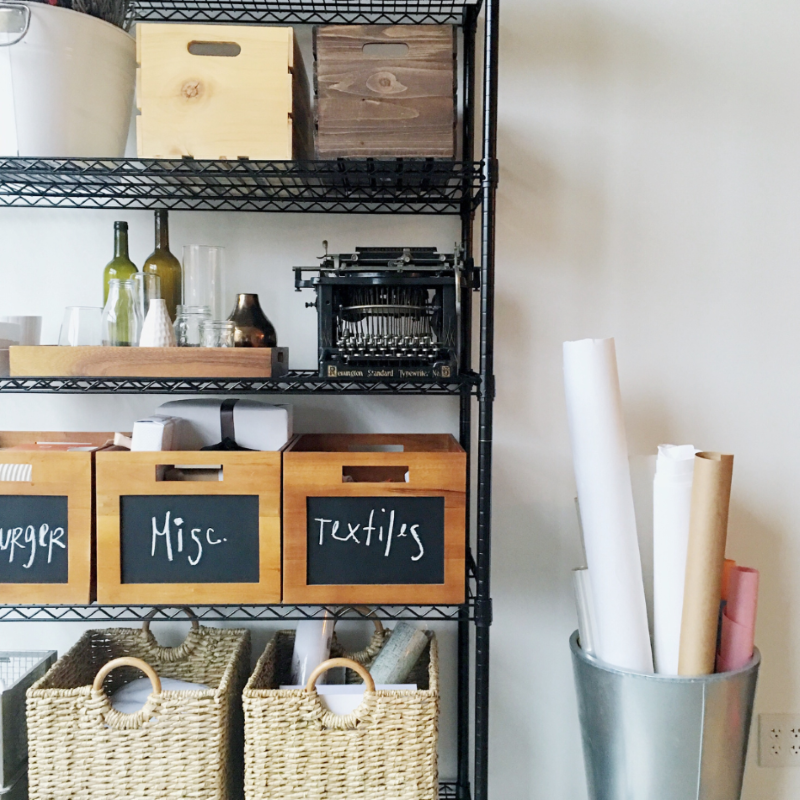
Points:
(165, 265)
(120, 266)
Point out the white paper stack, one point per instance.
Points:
(602, 474)
(672, 501)
(343, 700)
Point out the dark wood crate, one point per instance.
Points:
(373, 102)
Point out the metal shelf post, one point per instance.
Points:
(486, 403)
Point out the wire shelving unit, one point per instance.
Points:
(466, 189)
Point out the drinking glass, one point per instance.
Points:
(80, 327)
(148, 287)
(188, 325)
(217, 333)
(204, 279)
(121, 321)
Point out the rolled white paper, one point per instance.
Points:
(585, 609)
(312, 646)
(672, 503)
(603, 478)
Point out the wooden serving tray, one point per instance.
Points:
(149, 362)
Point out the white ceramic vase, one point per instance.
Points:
(157, 330)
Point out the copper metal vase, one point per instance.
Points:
(253, 329)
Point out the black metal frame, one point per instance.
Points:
(357, 186)
(406, 186)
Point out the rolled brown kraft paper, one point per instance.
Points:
(708, 531)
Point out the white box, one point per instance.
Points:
(18, 672)
(154, 434)
(257, 425)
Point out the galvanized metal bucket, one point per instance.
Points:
(656, 736)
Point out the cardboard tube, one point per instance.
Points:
(708, 531)
(726, 578)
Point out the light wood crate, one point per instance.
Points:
(149, 362)
(126, 474)
(254, 104)
(56, 474)
(315, 465)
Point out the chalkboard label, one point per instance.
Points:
(189, 539)
(33, 539)
(375, 540)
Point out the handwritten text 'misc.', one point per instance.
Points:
(194, 540)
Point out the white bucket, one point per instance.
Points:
(66, 83)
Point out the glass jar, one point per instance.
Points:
(217, 333)
(188, 325)
(121, 321)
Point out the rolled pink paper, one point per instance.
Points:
(736, 645)
(743, 596)
(739, 620)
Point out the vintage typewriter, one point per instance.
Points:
(387, 312)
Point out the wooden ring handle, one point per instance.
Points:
(143, 666)
(367, 613)
(340, 662)
(186, 610)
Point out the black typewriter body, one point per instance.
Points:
(388, 313)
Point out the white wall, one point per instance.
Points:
(649, 191)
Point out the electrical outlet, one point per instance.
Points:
(779, 740)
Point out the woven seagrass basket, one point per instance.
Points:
(297, 750)
(182, 744)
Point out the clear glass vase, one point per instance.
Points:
(121, 321)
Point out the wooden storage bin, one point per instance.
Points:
(385, 91)
(162, 541)
(221, 92)
(57, 494)
(356, 531)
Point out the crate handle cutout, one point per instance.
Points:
(376, 448)
(188, 473)
(375, 475)
(16, 473)
(216, 49)
(385, 49)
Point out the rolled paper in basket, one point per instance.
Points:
(672, 502)
(739, 621)
(605, 493)
(708, 531)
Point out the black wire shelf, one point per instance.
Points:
(317, 12)
(225, 613)
(352, 186)
(292, 383)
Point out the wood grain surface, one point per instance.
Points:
(437, 468)
(250, 105)
(149, 362)
(61, 474)
(372, 105)
(126, 474)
